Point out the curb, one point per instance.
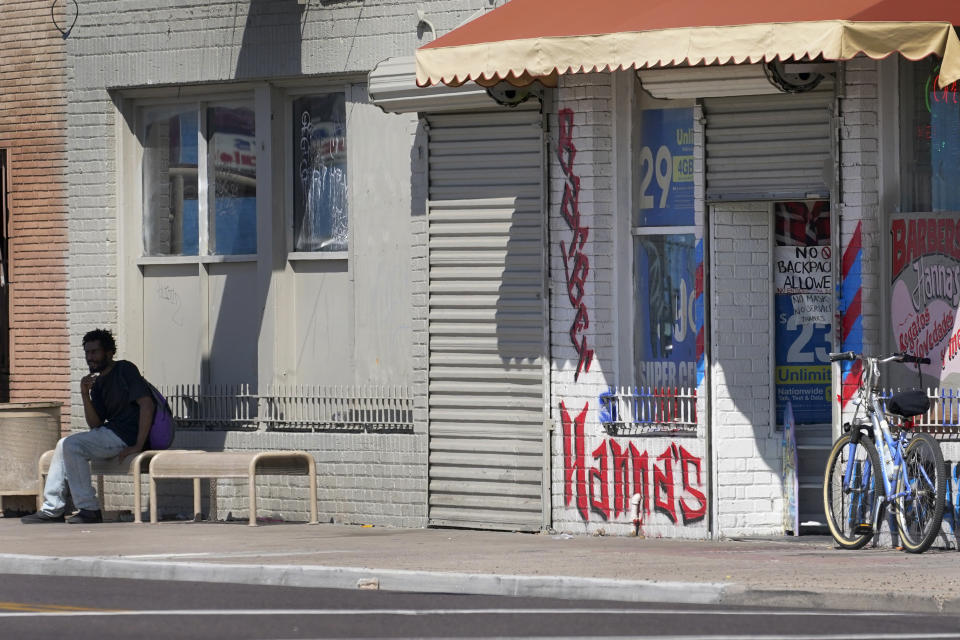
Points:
(562, 587)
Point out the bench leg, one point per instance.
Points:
(253, 500)
(153, 500)
(137, 499)
(312, 475)
(213, 500)
(196, 500)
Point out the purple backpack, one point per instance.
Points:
(163, 427)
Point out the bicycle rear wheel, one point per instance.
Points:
(850, 488)
(923, 478)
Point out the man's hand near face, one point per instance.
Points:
(86, 383)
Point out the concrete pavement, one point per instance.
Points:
(805, 572)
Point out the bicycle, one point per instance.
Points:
(871, 469)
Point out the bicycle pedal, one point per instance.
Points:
(862, 529)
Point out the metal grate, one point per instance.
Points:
(642, 411)
(292, 407)
(943, 416)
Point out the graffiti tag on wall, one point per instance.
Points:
(670, 483)
(576, 264)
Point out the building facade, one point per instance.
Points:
(806, 205)
(242, 216)
(34, 360)
(583, 305)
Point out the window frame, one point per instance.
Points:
(200, 102)
(292, 93)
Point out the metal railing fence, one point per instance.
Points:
(641, 411)
(943, 416)
(291, 407)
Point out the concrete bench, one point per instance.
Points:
(231, 464)
(133, 465)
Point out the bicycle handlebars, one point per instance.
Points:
(894, 357)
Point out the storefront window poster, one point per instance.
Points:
(804, 310)
(668, 310)
(666, 168)
(925, 296)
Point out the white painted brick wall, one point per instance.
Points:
(749, 488)
(592, 139)
(859, 167)
(590, 97)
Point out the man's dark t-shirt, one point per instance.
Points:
(114, 396)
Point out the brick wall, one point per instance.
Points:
(374, 478)
(859, 166)
(594, 475)
(589, 99)
(748, 456)
(33, 131)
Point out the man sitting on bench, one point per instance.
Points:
(118, 407)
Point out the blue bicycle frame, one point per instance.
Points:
(857, 478)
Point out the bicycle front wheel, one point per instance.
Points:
(922, 480)
(851, 486)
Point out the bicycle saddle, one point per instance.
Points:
(908, 403)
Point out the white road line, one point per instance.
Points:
(748, 636)
(444, 612)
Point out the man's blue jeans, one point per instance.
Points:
(70, 467)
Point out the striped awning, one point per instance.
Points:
(529, 39)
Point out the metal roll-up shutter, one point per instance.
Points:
(487, 320)
(770, 147)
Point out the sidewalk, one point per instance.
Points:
(796, 572)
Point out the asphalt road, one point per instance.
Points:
(98, 608)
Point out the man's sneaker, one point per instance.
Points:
(86, 516)
(40, 518)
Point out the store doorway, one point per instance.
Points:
(804, 312)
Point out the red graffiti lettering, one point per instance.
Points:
(621, 479)
(577, 280)
(663, 485)
(566, 152)
(598, 474)
(574, 480)
(691, 514)
(576, 264)
(671, 483)
(641, 484)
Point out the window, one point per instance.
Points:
(668, 309)
(929, 139)
(193, 150)
(320, 221)
(667, 254)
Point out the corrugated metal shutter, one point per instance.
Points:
(487, 320)
(769, 147)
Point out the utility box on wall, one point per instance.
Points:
(27, 429)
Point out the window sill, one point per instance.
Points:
(148, 260)
(306, 256)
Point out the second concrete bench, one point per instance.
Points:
(231, 464)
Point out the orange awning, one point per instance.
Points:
(538, 38)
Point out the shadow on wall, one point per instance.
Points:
(271, 44)
(236, 319)
(747, 440)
